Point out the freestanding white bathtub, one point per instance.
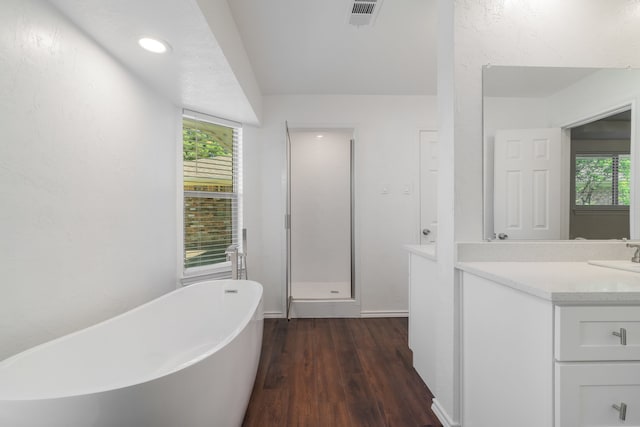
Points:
(186, 359)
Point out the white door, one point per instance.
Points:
(428, 186)
(526, 189)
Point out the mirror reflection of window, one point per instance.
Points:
(602, 180)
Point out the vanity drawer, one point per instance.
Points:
(586, 392)
(587, 333)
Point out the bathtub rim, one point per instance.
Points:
(241, 326)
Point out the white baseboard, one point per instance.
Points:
(273, 315)
(307, 309)
(384, 313)
(442, 415)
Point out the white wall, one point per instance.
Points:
(223, 27)
(87, 181)
(321, 207)
(595, 94)
(503, 32)
(386, 156)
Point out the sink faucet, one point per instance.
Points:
(636, 256)
(232, 255)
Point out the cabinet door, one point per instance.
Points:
(422, 317)
(587, 392)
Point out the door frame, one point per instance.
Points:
(421, 173)
(565, 171)
(349, 307)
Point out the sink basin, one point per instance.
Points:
(618, 265)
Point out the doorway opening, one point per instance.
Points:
(320, 215)
(600, 178)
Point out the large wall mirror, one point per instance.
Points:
(561, 150)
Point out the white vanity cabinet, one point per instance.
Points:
(597, 366)
(539, 349)
(423, 305)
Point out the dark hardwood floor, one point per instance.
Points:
(338, 373)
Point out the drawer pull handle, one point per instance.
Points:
(622, 409)
(622, 335)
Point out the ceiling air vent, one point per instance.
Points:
(363, 12)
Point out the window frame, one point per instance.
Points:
(218, 270)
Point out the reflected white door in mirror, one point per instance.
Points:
(526, 203)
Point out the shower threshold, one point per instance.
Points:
(321, 290)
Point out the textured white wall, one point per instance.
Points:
(87, 181)
(223, 27)
(573, 33)
(386, 156)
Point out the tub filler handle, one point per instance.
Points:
(235, 256)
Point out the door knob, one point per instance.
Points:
(426, 231)
(503, 236)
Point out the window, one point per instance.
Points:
(211, 153)
(602, 179)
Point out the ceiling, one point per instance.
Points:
(195, 74)
(293, 47)
(307, 47)
(530, 82)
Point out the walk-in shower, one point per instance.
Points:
(320, 214)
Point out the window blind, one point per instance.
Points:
(602, 179)
(212, 178)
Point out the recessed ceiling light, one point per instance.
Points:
(319, 136)
(153, 45)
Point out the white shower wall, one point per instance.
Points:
(321, 214)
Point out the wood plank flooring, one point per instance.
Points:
(338, 373)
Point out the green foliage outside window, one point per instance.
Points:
(205, 140)
(596, 178)
(624, 171)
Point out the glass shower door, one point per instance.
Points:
(320, 222)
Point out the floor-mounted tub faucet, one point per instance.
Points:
(233, 255)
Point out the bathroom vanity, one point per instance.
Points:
(423, 306)
(549, 344)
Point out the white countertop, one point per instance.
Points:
(426, 251)
(562, 282)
